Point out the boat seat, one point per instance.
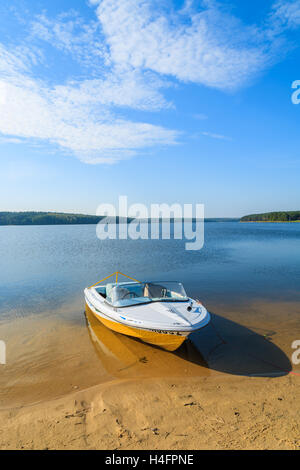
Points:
(154, 291)
(119, 293)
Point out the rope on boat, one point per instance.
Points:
(111, 275)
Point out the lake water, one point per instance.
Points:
(247, 275)
(42, 267)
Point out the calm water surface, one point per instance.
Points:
(248, 276)
(43, 267)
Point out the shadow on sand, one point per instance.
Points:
(223, 346)
(228, 347)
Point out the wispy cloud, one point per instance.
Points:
(216, 136)
(209, 47)
(126, 57)
(79, 116)
(72, 118)
(286, 14)
(70, 34)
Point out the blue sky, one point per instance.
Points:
(162, 101)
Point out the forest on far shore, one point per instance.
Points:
(285, 216)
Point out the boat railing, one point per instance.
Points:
(116, 273)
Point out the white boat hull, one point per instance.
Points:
(168, 328)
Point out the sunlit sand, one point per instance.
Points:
(86, 386)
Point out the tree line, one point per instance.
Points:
(46, 218)
(284, 216)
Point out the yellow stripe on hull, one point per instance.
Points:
(169, 342)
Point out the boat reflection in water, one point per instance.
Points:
(224, 346)
(127, 357)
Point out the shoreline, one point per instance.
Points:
(269, 221)
(117, 393)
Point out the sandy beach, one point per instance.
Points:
(111, 392)
(214, 413)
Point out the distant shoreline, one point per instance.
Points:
(63, 218)
(268, 221)
(275, 216)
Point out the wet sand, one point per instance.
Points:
(69, 382)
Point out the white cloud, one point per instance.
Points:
(286, 13)
(210, 47)
(66, 117)
(79, 116)
(84, 115)
(124, 88)
(70, 34)
(10, 63)
(122, 60)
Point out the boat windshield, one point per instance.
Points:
(127, 294)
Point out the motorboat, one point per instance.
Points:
(157, 312)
